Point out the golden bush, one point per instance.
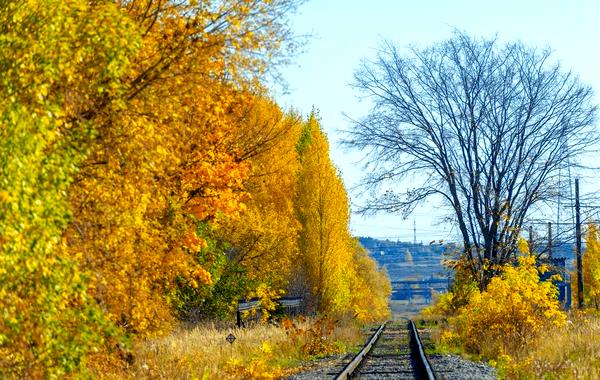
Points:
(510, 313)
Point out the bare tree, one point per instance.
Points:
(484, 126)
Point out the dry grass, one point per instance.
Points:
(261, 351)
(572, 352)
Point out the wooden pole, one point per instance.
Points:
(530, 240)
(550, 240)
(580, 303)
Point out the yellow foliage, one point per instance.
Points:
(264, 235)
(325, 242)
(166, 154)
(55, 56)
(463, 287)
(371, 288)
(127, 128)
(523, 246)
(335, 271)
(267, 298)
(512, 311)
(591, 268)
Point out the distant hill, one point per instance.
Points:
(405, 260)
(417, 271)
(390, 253)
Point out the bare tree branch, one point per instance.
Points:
(486, 127)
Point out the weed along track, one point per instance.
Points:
(393, 352)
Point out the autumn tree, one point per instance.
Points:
(323, 212)
(264, 238)
(257, 248)
(141, 161)
(371, 287)
(482, 126)
(591, 268)
(55, 58)
(167, 159)
(336, 274)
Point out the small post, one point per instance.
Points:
(550, 240)
(580, 303)
(238, 316)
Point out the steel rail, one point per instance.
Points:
(358, 358)
(423, 365)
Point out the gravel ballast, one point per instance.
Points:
(445, 366)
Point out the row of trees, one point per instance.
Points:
(146, 175)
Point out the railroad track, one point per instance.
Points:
(394, 351)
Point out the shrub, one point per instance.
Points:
(511, 312)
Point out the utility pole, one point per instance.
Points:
(550, 240)
(578, 247)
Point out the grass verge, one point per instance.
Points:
(258, 352)
(570, 352)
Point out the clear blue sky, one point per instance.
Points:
(347, 31)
